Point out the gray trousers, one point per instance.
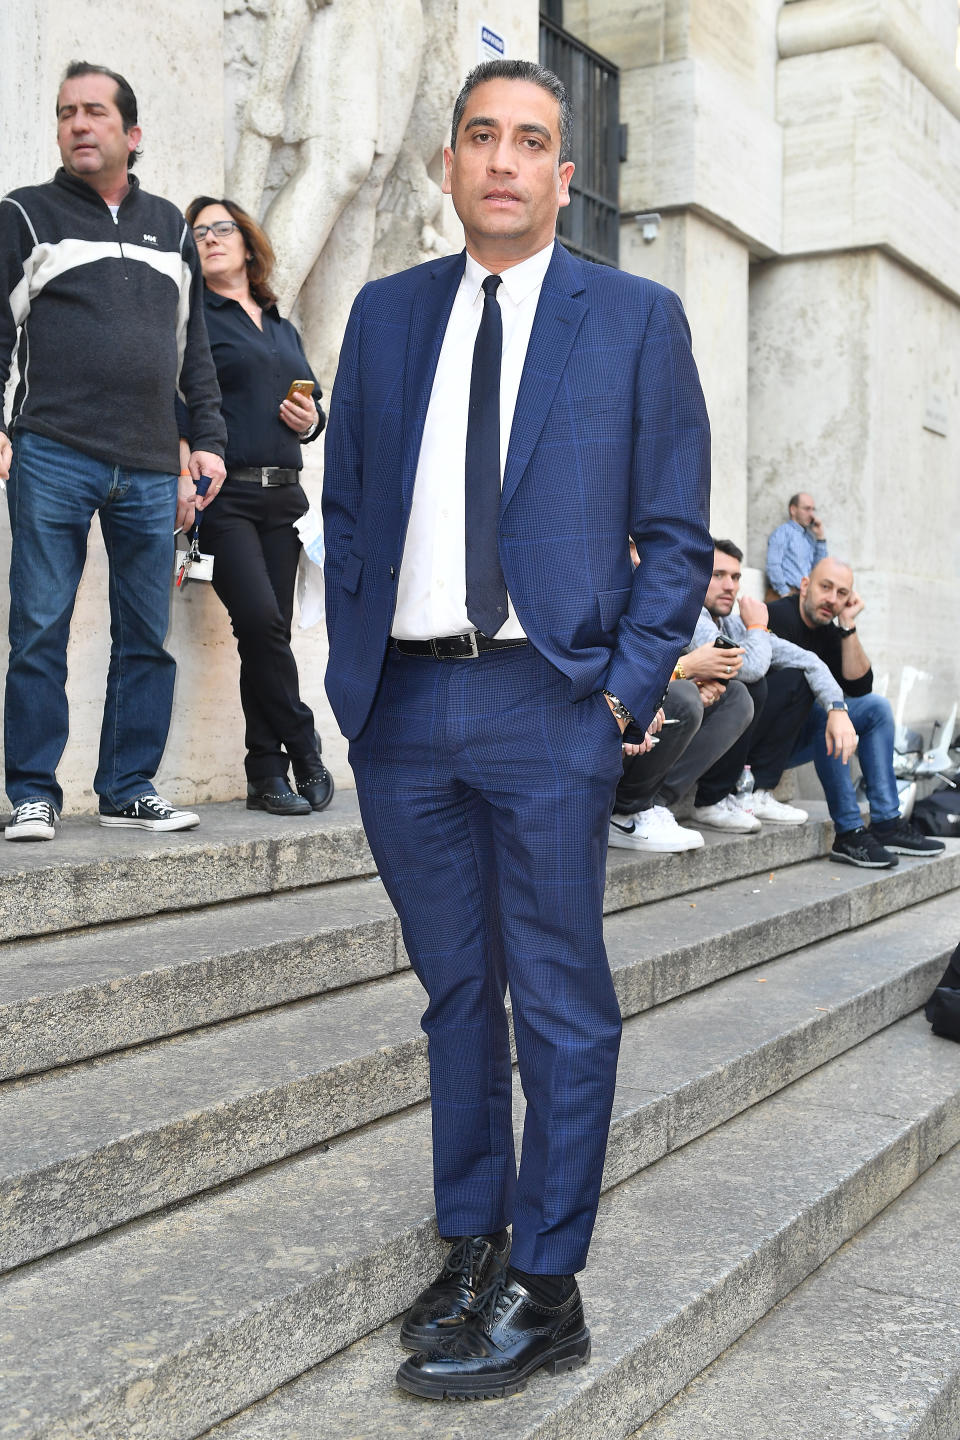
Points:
(723, 722)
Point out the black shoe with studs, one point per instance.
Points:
(274, 795)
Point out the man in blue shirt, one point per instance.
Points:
(795, 547)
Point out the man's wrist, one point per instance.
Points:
(846, 631)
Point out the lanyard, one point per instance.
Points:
(193, 553)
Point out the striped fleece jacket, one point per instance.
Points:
(111, 325)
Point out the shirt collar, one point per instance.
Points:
(213, 297)
(519, 281)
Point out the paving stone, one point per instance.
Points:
(685, 1258)
(867, 1348)
(94, 1145)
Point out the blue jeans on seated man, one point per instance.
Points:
(872, 719)
(53, 493)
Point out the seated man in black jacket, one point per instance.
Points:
(822, 618)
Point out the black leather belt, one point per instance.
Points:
(456, 647)
(266, 475)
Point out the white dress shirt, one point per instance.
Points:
(432, 585)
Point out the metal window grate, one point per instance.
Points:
(590, 225)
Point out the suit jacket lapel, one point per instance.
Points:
(429, 314)
(559, 317)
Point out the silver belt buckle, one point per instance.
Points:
(264, 479)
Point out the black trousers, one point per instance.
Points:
(781, 703)
(249, 531)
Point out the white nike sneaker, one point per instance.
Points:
(766, 807)
(727, 814)
(653, 829)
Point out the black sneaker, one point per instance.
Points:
(861, 847)
(32, 820)
(150, 812)
(905, 838)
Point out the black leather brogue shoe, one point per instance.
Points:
(470, 1267)
(505, 1337)
(274, 795)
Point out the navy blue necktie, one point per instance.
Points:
(486, 587)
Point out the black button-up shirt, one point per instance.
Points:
(255, 368)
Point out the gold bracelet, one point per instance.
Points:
(678, 672)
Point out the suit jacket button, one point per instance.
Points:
(392, 572)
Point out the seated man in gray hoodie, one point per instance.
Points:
(768, 746)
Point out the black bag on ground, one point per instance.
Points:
(939, 813)
(943, 1007)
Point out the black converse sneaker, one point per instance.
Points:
(32, 820)
(150, 812)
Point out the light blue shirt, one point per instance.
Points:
(792, 553)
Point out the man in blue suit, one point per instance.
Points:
(502, 421)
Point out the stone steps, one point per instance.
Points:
(93, 876)
(165, 1325)
(119, 981)
(866, 1348)
(90, 1146)
(686, 1257)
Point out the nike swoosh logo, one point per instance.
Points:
(624, 829)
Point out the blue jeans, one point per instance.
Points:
(52, 495)
(873, 721)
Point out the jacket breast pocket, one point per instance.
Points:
(612, 604)
(350, 579)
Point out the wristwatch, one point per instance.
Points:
(619, 709)
(845, 633)
(838, 705)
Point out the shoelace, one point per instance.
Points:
(35, 810)
(464, 1255)
(154, 803)
(485, 1305)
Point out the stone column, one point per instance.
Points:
(854, 368)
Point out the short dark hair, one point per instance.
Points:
(518, 70)
(727, 547)
(795, 499)
(124, 99)
(262, 259)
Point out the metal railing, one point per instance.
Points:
(590, 225)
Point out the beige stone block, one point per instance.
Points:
(737, 37)
(867, 150)
(694, 139)
(708, 269)
(853, 359)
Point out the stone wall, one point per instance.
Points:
(193, 68)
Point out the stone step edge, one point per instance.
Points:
(52, 1207)
(176, 873)
(780, 1333)
(661, 1364)
(117, 1014)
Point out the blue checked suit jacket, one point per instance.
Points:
(610, 439)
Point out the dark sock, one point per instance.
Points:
(546, 1289)
(498, 1239)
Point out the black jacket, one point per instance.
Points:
(110, 315)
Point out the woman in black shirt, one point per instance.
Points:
(249, 527)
